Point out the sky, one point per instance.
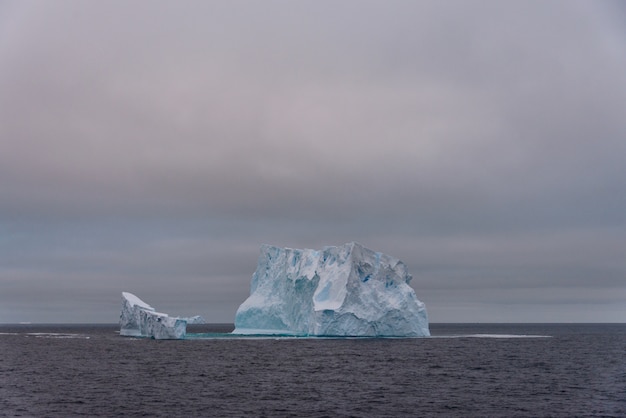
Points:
(152, 147)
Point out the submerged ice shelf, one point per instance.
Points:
(138, 319)
(343, 291)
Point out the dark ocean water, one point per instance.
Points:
(464, 370)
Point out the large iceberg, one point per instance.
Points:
(346, 290)
(138, 319)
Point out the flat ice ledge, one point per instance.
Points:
(250, 331)
(138, 319)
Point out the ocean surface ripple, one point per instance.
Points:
(464, 370)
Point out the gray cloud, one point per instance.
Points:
(152, 147)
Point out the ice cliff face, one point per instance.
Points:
(347, 290)
(138, 319)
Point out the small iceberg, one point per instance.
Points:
(138, 319)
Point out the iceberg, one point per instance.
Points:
(138, 319)
(346, 290)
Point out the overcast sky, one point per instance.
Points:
(152, 147)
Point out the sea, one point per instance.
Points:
(462, 370)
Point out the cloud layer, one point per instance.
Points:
(152, 147)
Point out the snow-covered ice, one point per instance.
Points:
(138, 319)
(347, 290)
